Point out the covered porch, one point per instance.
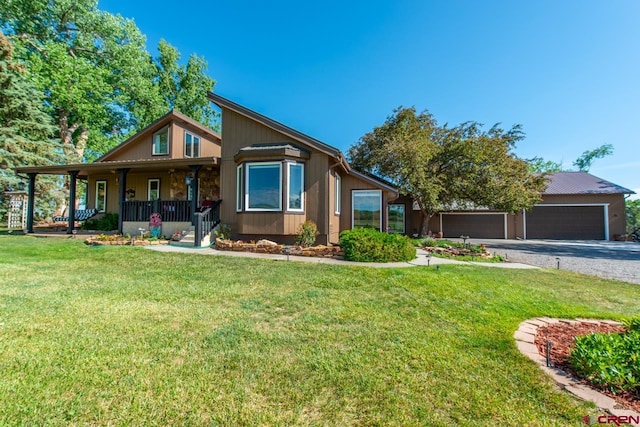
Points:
(180, 190)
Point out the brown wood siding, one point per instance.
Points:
(566, 222)
(239, 132)
(479, 226)
(141, 147)
(112, 191)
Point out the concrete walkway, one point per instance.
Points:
(421, 260)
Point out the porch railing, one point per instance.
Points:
(205, 221)
(169, 210)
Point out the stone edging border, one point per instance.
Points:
(525, 336)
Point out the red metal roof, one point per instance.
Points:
(581, 183)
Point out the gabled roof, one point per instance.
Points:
(171, 116)
(298, 136)
(581, 183)
(279, 127)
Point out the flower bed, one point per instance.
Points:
(119, 240)
(269, 247)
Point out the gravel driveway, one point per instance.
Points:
(611, 260)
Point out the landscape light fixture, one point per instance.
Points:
(558, 263)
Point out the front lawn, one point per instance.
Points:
(127, 336)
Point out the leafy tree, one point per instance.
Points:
(99, 81)
(444, 168)
(25, 129)
(184, 87)
(88, 63)
(632, 208)
(584, 162)
(540, 165)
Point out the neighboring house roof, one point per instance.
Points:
(581, 183)
(172, 115)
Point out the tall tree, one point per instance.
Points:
(25, 129)
(91, 66)
(444, 168)
(632, 208)
(583, 163)
(184, 87)
(585, 160)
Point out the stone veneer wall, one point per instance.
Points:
(209, 185)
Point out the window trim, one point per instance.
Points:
(353, 196)
(153, 142)
(404, 217)
(302, 192)
(247, 206)
(239, 187)
(149, 181)
(104, 197)
(193, 138)
(337, 195)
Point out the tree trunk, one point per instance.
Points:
(66, 137)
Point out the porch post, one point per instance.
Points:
(195, 196)
(31, 200)
(73, 175)
(121, 197)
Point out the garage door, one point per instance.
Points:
(566, 222)
(479, 226)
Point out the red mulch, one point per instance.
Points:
(562, 337)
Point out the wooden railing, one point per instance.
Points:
(205, 221)
(169, 210)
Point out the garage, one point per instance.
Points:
(570, 222)
(485, 225)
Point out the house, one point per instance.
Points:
(574, 206)
(264, 179)
(258, 176)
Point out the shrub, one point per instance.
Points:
(368, 245)
(107, 222)
(307, 233)
(223, 232)
(610, 361)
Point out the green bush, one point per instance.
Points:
(368, 245)
(307, 233)
(107, 222)
(610, 361)
(223, 232)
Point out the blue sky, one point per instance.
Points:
(568, 71)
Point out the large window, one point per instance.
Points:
(295, 195)
(366, 207)
(396, 218)
(263, 187)
(101, 196)
(153, 189)
(161, 142)
(338, 195)
(191, 145)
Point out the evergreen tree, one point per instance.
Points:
(25, 130)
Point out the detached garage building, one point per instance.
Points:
(574, 206)
(577, 206)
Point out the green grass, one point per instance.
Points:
(127, 336)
